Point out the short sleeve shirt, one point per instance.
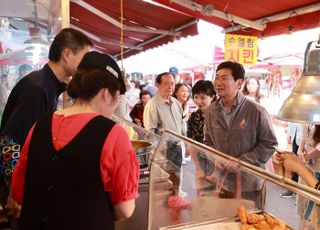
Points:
(119, 166)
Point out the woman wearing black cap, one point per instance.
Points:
(77, 169)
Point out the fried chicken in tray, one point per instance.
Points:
(254, 221)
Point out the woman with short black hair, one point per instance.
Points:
(203, 94)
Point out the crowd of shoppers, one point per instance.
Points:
(48, 148)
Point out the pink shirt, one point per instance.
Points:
(119, 165)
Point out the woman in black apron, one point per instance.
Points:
(77, 169)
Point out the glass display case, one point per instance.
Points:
(207, 191)
(144, 143)
(135, 131)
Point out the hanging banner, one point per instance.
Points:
(242, 49)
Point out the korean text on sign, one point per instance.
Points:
(242, 49)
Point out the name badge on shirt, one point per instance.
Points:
(243, 124)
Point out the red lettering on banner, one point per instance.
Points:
(234, 55)
(248, 56)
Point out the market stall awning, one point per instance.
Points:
(252, 17)
(145, 25)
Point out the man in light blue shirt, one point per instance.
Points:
(165, 112)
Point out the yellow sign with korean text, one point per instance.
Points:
(242, 49)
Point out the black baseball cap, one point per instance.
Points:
(101, 61)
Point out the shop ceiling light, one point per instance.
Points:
(303, 104)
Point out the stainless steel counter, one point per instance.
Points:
(139, 219)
